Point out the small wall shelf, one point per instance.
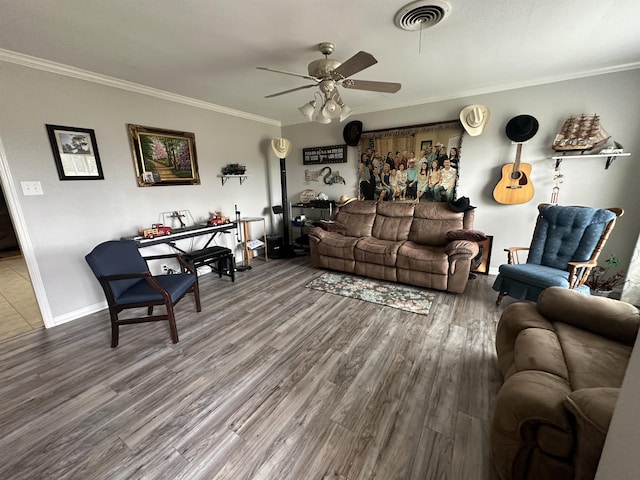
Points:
(609, 156)
(224, 178)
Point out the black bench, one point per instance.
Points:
(220, 259)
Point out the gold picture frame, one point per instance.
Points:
(163, 157)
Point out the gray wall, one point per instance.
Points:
(615, 97)
(72, 217)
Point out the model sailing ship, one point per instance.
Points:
(580, 133)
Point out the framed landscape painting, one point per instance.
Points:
(163, 157)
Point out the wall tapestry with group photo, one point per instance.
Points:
(416, 163)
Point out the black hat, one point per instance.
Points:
(462, 204)
(352, 132)
(522, 128)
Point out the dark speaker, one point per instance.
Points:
(274, 246)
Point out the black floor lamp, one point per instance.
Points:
(281, 147)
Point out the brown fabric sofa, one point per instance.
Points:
(400, 242)
(563, 360)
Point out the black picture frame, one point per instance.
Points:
(75, 152)
(329, 154)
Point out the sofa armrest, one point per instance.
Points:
(330, 226)
(592, 409)
(607, 317)
(530, 417)
(464, 248)
(317, 233)
(515, 318)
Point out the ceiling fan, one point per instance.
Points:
(327, 74)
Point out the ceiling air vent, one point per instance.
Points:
(422, 14)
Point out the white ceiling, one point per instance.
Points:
(208, 49)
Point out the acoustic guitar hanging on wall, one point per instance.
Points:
(515, 185)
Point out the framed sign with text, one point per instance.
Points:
(331, 154)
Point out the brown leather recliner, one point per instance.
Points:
(563, 360)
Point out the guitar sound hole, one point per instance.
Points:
(515, 175)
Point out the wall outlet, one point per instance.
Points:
(31, 188)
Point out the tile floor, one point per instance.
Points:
(19, 312)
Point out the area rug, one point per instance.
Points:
(390, 294)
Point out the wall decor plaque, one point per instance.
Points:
(330, 154)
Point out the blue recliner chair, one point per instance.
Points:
(127, 283)
(566, 243)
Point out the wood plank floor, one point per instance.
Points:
(270, 381)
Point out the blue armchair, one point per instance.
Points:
(566, 243)
(127, 283)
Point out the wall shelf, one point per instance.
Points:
(609, 156)
(224, 178)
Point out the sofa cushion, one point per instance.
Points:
(606, 317)
(423, 258)
(357, 217)
(528, 281)
(592, 360)
(431, 223)
(379, 252)
(393, 221)
(539, 349)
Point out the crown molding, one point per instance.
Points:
(68, 71)
(510, 86)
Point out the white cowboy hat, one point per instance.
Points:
(474, 118)
(344, 199)
(281, 147)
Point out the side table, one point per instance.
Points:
(248, 244)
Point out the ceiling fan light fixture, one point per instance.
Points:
(331, 109)
(307, 109)
(321, 118)
(344, 114)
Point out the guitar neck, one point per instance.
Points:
(516, 165)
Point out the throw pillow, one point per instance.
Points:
(462, 234)
(330, 226)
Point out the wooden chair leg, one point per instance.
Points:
(500, 297)
(196, 295)
(172, 324)
(115, 329)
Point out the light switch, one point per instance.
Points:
(31, 188)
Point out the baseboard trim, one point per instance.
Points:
(81, 312)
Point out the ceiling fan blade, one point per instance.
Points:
(355, 64)
(287, 73)
(386, 87)
(289, 91)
